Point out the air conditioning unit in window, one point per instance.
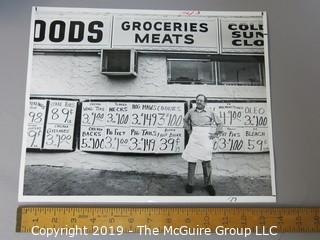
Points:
(119, 62)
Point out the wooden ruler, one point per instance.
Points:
(149, 221)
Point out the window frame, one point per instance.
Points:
(213, 71)
(260, 70)
(216, 61)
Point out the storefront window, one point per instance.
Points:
(191, 71)
(241, 70)
(228, 70)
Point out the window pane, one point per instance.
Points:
(190, 71)
(241, 72)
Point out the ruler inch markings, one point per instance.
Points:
(286, 219)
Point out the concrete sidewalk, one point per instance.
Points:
(50, 180)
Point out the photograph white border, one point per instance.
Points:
(152, 200)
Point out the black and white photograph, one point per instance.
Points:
(147, 106)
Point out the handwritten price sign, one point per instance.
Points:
(245, 127)
(138, 127)
(35, 120)
(60, 125)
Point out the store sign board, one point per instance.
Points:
(242, 35)
(165, 33)
(72, 31)
(98, 30)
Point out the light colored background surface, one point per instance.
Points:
(294, 57)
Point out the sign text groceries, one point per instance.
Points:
(178, 29)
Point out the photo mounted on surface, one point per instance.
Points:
(145, 105)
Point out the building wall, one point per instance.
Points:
(78, 75)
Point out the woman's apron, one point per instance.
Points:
(199, 147)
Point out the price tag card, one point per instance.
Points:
(143, 140)
(35, 120)
(245, 127)
(118, 114)
(170, 140)
(137, 127)
(60, 125)
(118, 139)
(157, 114)
(92, 138)
(93, 114)
(244, 139)
(93, 121)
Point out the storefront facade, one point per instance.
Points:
(137, 73)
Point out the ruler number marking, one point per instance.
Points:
(287, 219)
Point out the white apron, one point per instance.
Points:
(199, 147)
